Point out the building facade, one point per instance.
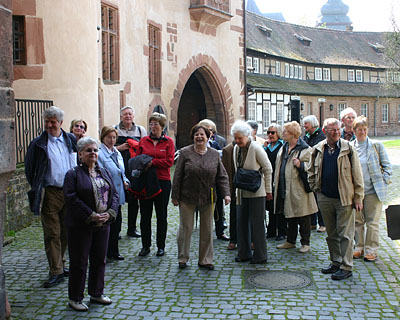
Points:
(90, 58)
(321, 71)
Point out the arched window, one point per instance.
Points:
(158, 109)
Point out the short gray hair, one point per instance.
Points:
(329, 121)
(241, 127)
(83, 142)
(253, 124)
(53, 112)
(311, 119)
(127, 107)
(346, 111)
(278, 128)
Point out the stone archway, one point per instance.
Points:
(202, 92)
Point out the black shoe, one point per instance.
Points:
(53, 281)
(258, 262)
(270, 236)
(223, 237)
(66, 272)
(119, 237)
(225, 224)
(239, 259)
(331, 269)
(117, 257)
(279, 238)
(341, 274)
(133, 234)
(206, 266)
(160, 252)
(182, 265)
(144, 252)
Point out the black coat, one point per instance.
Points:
(144, 182)
(315, 138)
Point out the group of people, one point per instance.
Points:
(79, 185)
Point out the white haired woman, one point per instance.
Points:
(377, 173)
(249, 155)
(347, 117)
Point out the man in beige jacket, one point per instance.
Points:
(335, 174)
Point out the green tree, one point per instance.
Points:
(392, 55)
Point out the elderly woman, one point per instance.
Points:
(111, 159)
(161, 148)
(91, 204)
(78, 128)
(347, 117)
(377, 172)
(199, 171)
(290, 196)
(276, 222)
(250, 155)
(313, 136)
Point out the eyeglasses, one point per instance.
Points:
(154, 124)
(90, 150)
(334, 130)
(79, 126)
(271, 132)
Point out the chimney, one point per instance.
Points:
(349, 28)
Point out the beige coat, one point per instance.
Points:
(297, 203)
(256, 159)
(350, 184)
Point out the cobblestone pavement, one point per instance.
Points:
(154, 287)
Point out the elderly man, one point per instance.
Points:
(254, 129)
(335, 174)
(128, 129)
(347, 116)
(48, 158)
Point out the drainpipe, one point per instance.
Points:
(376, 101)
(244, 59)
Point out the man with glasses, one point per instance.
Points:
(335, 174)
(347, 116)
(47, 160)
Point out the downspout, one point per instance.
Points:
(244, 59)
(376, 101)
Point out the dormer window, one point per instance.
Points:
(377, 47)
(306, 41)
(264, 29)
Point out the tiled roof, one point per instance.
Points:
(330, 47)
(268, 83)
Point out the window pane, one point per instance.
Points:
(266, 115)
(251, 111)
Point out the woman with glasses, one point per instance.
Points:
(277, 225)
(162, 149)
(91, 202)
(290, 196)
(78, 128)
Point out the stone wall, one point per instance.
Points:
(18, 214)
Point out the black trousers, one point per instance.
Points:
(276, 221)
(232, 221)
(219, 214)
(317, 217)
(133, 209)
(160, 203)
(115, 229)
(305, 229)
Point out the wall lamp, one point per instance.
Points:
(331, 107)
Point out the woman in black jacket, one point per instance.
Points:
(91, 205)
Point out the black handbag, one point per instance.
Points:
(303, 177)
(249, 180)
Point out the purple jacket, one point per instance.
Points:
(79, 198)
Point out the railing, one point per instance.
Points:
(28, 123)
(222, 5)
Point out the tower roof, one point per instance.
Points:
(334, 15)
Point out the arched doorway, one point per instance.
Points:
(200, 99)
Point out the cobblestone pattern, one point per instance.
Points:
(154, 288)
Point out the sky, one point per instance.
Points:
(366, 15)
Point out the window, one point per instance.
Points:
(249, 63)
(266, 115)
(359, 75)
(19, 53)
(350, 75)
(251, 112)
(393, 77)
(364, 109)
(279, 113)
(296, 72)
(291, 71)
(154, 57)
(110, 42)
(286, 70)
(278, 68)
(256, 65)
(318, 74)
(310, 108)
(327, 74)
(301, 72)
(342, 106)
(385, 113)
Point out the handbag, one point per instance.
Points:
(303, 177)
(249, 180)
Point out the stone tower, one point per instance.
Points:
(334, 16)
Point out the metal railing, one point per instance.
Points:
(28, 123)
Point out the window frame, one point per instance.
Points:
(366, 107)
(251, 110)
(278, 68)
(300, 72)
(291, 71)
(154, 38)
(249, 64)
(318, 74)
(287, 70)
(266, 118)
(350, 75)
(19, 37)
(341, 107)
(359, 73)
(326, 74)
(280, 109)
(256, 65)
(385, 114)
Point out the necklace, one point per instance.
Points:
(200, 151)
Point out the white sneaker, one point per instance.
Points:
(101, 300)
(304, 249)
(78, 305)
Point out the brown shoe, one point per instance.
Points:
(286, 245)
(321, 229)
(358, 254)
(313, 227)
(231, 246)
(370, 257)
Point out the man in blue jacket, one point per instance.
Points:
(48, 158)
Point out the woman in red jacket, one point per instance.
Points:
(162, 149)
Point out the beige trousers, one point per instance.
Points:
(54, 232)
(367, 225)
(186, 212)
